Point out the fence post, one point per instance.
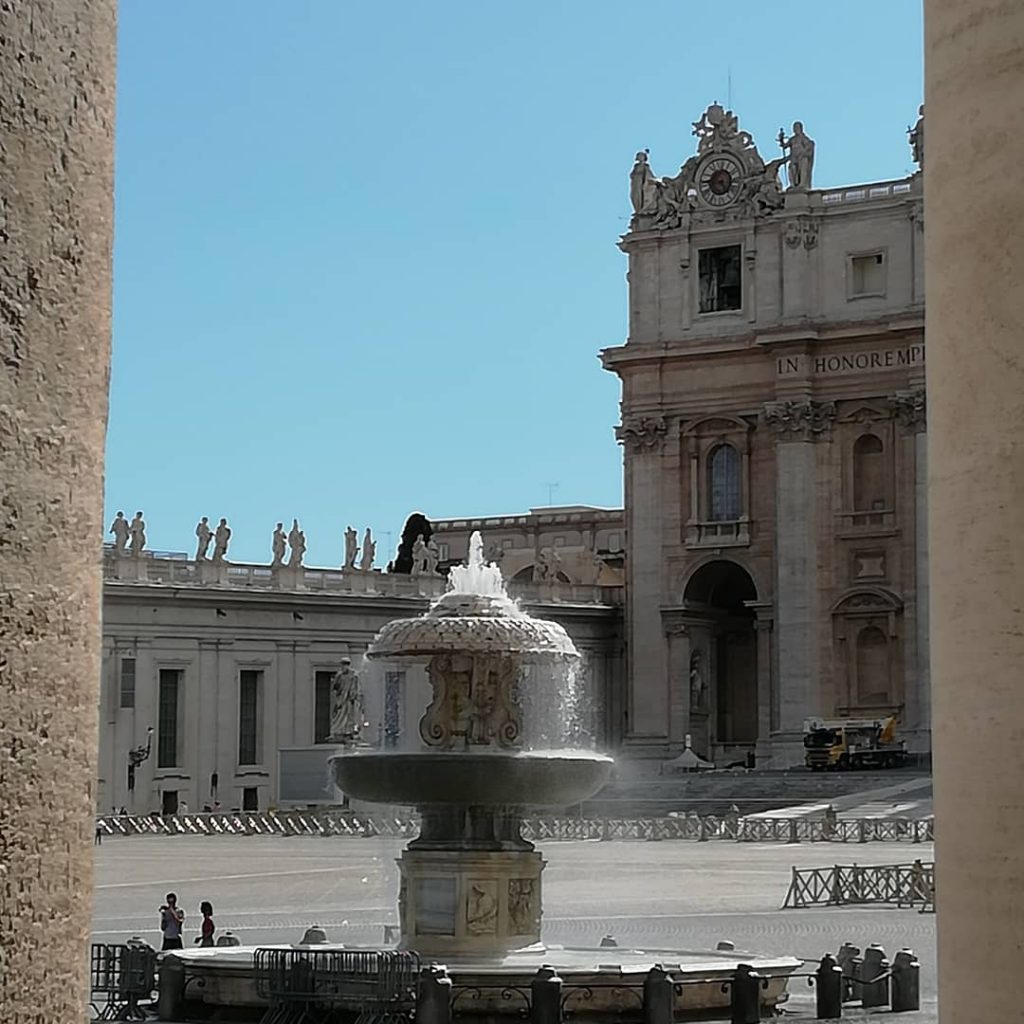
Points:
(745, 996)
(703, 829)
(828, 981)
(845, 957)
(546, 993)
(872, 992)
(659, 996)
(434, 996)
(906, 981)
(794, 835)
(171, 989)
(862, 831)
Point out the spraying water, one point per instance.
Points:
(476, 576)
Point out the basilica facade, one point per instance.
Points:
(770, 563)
(773, 421)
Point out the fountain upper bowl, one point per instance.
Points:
(541, 778)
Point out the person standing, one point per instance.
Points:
(208, 927)
(172, 919)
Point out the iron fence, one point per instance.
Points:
(700, 828)
(120, 977)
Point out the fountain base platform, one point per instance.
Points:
(475, 903)
(603, 984)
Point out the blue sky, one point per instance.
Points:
(365, 254)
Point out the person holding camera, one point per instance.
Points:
(172, 918)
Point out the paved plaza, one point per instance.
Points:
(660, 895)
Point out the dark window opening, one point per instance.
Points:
(322, 707)
(250, 798)
(869, 474)
(169, 801)
(167, 719)
(724, 484)
(127, 682)
(720, 275)
(248, 716)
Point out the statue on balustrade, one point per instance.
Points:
(221, 539)
(351, 548)
(137, 533)
(801, 157)
(204, 535)
(369, 551)
(297, 542)
(119, 528)
(277, 546)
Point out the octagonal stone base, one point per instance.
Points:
(472, 903)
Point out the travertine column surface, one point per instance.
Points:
(974, 253)
(56, 181)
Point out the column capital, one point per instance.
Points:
(639, 433)
(805, 420)
(909, 408)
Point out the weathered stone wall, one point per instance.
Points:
(57, 66)
(974, 241)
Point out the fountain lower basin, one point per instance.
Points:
(485, 778)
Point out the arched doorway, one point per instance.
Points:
(718, 597)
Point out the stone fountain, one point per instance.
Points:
(470, 883)
(491, 744)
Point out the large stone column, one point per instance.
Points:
(56, 181)
(974, 260)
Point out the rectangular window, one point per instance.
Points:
(322, 707)
(720, 279)
(127, 682)
(249, 685)
(167, 718)
(250, 798)
(394, 684)
(443, 551)
(867, 275)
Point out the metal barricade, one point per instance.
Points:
(325, 986)
(120, 977)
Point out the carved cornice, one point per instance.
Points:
(800, 421)
(642, 433)
(909, 407)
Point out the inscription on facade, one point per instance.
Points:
(849, 362)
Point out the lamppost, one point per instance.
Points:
(136, 756)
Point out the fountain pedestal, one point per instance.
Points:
(469, 902)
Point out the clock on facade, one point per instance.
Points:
(719, 180)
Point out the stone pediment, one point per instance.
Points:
(862, 412)
(717, 425)
(726, 179)
(867, 600)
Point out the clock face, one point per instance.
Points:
(719, 180)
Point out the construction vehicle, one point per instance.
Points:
(843, 744)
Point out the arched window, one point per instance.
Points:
(873, 687)
(869, 490)
(723, 484)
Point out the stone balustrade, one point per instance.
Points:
(171, 569)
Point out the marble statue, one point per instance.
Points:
(696, 681)
(351, 548)
(277, 545)
(297, 542)
(916, 137)
(119, 528)
(801, 157)
(641, 182)
(548, 565)
(419, 556)
(348, 711)
(137, 534)
(221, 538)
(204, 535)
(369, 551)
(433, 556)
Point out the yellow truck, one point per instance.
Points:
(844, 744)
